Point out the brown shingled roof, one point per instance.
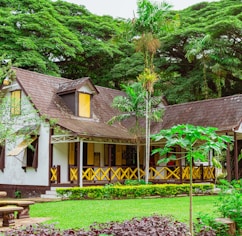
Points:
(42, 90)
(224, 113)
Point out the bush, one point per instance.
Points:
(229, 205)
(148, 226)
(117, 191)
(230, 201)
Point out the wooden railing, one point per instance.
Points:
(157, 174)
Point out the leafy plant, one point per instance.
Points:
(134, 182)
(196, 142)
(207, 226)
(153, 225)
(230, 201)
(17, 194)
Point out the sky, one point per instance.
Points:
(126, 8)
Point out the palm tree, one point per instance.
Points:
(150, 22)
(131, 105)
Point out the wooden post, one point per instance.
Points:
(228, 161)
(236, 163)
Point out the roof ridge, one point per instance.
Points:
(205, 100)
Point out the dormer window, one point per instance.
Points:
(77, 96)
(84, 105)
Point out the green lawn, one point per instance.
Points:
(82, 213)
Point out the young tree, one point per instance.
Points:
(195, 142)
(133, 105)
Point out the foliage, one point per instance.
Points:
(132, 104)
(196, 141)
(230, 201)
(156, 224)
(131, 190)
(229, 205)
(57, 38)
(134, 182)
(5, 70)
(207, 226)
(219, 57)
(61, 38)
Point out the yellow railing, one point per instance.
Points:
(200, 173)
(159, 173)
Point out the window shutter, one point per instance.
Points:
(90, 154)
(84, 105)
(2, 158)
(16, 102)
(35, 158)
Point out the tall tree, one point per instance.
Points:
(222, 21)
(33, 38)
(147, 26)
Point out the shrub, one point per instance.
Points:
(113, 191)
(230, 201)
(149, 226)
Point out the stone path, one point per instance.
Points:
(23, 223)
(27, 221)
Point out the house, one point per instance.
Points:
(70, 142)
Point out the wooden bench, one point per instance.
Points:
(3, 194)
(8, 214)
(24, 213)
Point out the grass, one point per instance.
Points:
(82, 213)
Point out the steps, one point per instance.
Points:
(50, 194)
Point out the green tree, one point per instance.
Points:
(33, 38)
(132, 106)
(199, 49)
(195, 143)
(222, 21)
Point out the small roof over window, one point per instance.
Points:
(77, 85)
(21, 146)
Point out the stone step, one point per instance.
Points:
(50, 193)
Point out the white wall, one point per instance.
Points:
(60, 157)
(14, 173)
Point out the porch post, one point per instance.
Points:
(81, 163)
(51, 132)
(228, 161)
(236, 163)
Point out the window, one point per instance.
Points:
(32, 154)
(84, 108)
(16, 102)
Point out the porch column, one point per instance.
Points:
(81, 163)
(228, 161)
(236, 163)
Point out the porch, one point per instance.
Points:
(105, 175)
